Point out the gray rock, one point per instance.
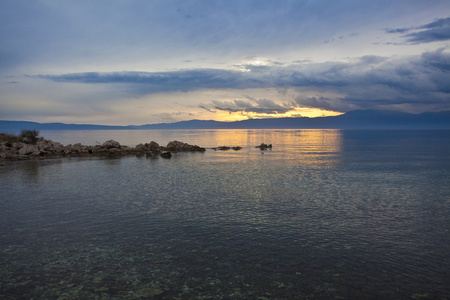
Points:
(111, 144)
(28, 149)
(153, 146)
(180, 146)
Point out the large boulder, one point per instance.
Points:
(111, 144)
(153, 146)
(49, 146)
(148, 147)
(180, 146)
(28, 149)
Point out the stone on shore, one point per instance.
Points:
(28, 149)
(111, 144)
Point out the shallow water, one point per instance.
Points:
(325, 214)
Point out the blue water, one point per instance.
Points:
(325, 214)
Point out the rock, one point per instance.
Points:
(111, 144)
(224, 148)
(264, 146)
(175, 146)
(50, 146)
(28, 149)
(153, 146)
(148, 147)
(180, 146)
(43, 145)
(166, 154)
(27, 140)
(140, 148)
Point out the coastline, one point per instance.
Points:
(48, 149)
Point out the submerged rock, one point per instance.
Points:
(148, 292)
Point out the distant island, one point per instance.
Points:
(357, 119)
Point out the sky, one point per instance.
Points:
(135, 62)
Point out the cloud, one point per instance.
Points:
(152, 82)
(369, 81)
(207, 108)
(170, 117)
(438, 30)
(259, 106)
(326, 103)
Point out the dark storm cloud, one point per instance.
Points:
(438, 30)
(151, 82)
(371, 77)
(260, 106)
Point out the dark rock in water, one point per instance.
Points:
(151, 149)
(264, 146)
(177, 146)
(166, 154)
(223, 148)
(152, 154)
(153, 146)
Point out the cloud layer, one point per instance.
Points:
(368, 82)
(135, 62)
(438, 30)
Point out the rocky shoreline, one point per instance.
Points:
(44, 149)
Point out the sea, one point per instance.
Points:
(323, 214)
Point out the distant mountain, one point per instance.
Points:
(6, 126)
(358, 119)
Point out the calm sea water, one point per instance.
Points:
(325, 214)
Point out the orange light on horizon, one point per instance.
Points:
(297, 112)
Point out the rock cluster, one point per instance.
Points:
(23, 150)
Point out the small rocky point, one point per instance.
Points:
(23, 149)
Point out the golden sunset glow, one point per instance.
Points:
(297, 112)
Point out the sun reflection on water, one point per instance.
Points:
(309, 148)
